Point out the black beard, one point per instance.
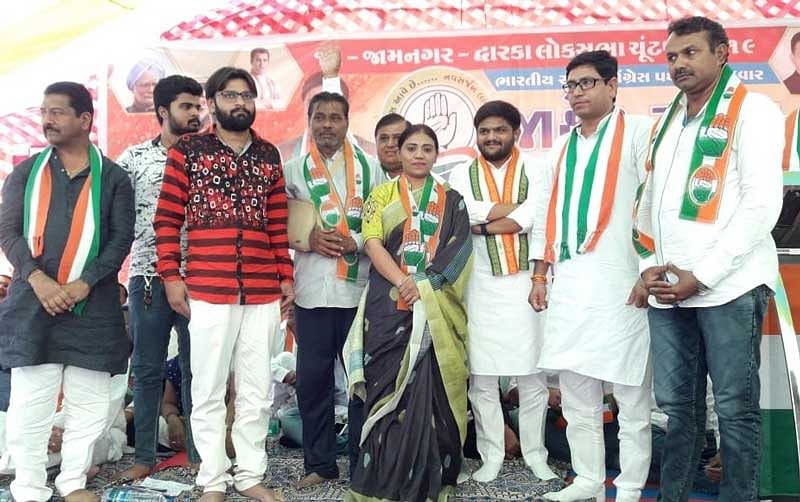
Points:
(500, 155)
(237, 123)
(177, 130)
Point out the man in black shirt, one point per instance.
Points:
(66, 225)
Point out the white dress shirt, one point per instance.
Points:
(736, 253)
(315, 281)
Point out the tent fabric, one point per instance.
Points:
(247, 18)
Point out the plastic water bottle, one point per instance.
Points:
(133, 494)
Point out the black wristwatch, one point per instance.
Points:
(483, 229)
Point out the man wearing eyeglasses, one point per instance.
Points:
(595, 330)
(227, 186)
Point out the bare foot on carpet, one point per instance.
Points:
(92, 472)
(262, 493)
(81, 495)
(212, 497)
(136, 471)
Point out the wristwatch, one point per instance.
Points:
(483, 229)
(702, 289)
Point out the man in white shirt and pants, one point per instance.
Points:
(504, 333)
(712, 196)
(594, 331)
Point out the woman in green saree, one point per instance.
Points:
(406, 355)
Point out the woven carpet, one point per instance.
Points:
(515, 483)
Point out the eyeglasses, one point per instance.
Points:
(585, 84)
(232, 96)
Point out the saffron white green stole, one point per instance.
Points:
(508, 253)
(577, 216)
(83, 241)
(709, 162)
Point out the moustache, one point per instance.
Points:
(682, 73)
(46, 129)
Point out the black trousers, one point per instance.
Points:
(321, 333)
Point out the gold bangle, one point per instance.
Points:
(539, 279)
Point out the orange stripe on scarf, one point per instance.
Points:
(709, 211)
(494, 196)
(610, 187)
(550, 230)
(791, 123)
(74, 239)
(342, 227)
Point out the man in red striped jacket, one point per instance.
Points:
(228, 188)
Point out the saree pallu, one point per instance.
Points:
(411, 367)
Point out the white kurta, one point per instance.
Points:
(504, 331)
(589, 328)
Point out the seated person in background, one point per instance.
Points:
(509, 397)
(555, 432)
(285, 409)
(172, 424)
(109, 448)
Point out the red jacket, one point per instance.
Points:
(236, 216)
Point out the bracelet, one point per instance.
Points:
(484, 231)
(539, 279)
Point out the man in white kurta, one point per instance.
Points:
(594, 332)
(504, 333)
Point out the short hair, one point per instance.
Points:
(259, 50)
(328, 97)
(794, 42)
(315, 80)
(79, 98)
(697, 24)
(602, 61)
(220, 78)
(413, 129)
(502, 109)
(389, 119)
(167, 90)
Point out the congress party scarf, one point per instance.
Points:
(83, 241)
(344, 217)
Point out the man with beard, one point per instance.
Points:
(387, 132)
(712, 196)
(227, 187)
(336, 177)
(177, 105)
(497, 188)
(595, 331)
(66, 225)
